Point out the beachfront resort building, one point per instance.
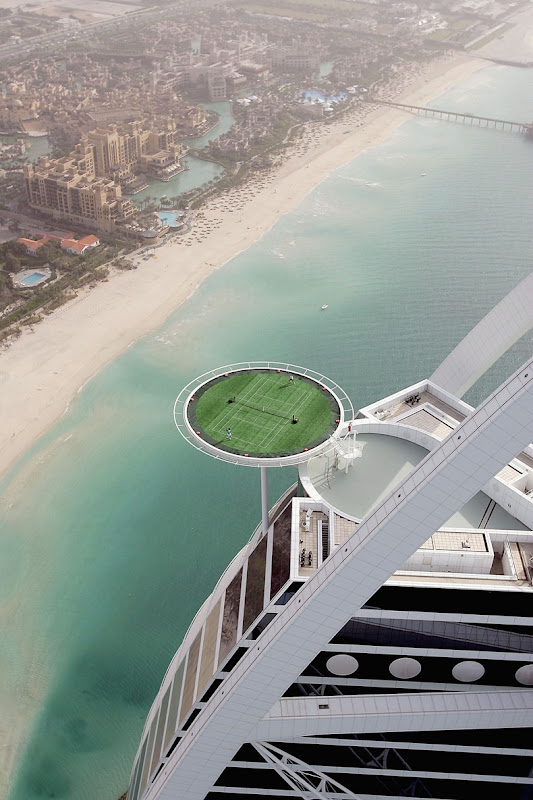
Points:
(87, 186)
(150, 148)
(60, 189)
(68, 243)
(374, 637)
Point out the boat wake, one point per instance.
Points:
(361, 181)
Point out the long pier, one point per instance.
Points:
(456, 116)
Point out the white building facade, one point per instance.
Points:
(377, 640)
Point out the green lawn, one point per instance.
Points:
(258, 407)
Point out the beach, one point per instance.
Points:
(43, 369)
(106, 516)
(515, 46)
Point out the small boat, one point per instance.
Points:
(323, 308)
(423, 174)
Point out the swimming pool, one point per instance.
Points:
(312, 95)
(31, 280)
(171, 218)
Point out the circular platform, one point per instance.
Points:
(261, 413)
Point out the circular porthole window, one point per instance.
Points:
(342, 665)
(468, 671)
(405, 668)
(524, 675)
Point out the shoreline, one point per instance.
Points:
(40, 373)
(40, 377)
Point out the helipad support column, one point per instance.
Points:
(264, 498)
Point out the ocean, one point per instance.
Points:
(113, 530)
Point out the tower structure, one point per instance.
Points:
(399, 661)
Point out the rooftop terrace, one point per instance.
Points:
(384, 462)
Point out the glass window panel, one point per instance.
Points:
(174, 706)
(190, 677)
(160, 728)
(403, 598)
(147, 760)
(281, 552)
(263, 623)
(207, 666)
(230, 617)
(134, 785)
(137, 777)
(155, 726)
(433, 634)
(255, 584)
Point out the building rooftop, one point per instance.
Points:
(477, 542)
(384, 462)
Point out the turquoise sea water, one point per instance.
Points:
(113, 530)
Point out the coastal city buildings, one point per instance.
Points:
(373, 638)
(67, 243)
(74, 78)
(151, 148)
(86, 186)
(60, 189)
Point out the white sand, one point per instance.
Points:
(42, 371)
(516, 44)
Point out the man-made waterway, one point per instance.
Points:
(38, 145)
(226, 120)
(199, 171)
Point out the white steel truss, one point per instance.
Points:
(309, 781)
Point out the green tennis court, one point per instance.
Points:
(263, 412)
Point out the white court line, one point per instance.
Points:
(297, 410)
(293, 406)
(231, 411)
(232, 415)
(257, 394)
(241, 419)
(270, 435)
(264, 443)
(233, 418)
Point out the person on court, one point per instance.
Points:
(291, 378)
(228, 434)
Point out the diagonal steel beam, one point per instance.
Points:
(309, 781)
(441, 484)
